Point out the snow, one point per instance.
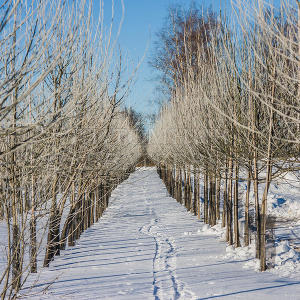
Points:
(147, 246)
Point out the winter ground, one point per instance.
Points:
(147, 246)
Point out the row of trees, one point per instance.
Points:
(234, 110)
(64, 140)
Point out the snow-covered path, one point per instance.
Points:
(147, 246)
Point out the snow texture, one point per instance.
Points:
(147, 246)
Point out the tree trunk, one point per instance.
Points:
(218, 187)
(180, 186)
(185, 189)
(198, 198)
(93, 208)
(101, 199)
(212, 201)
(254, 123)
(190, 190)
(196, 195)
(247, 220)
(51, 240)
(176, 184)
(225, 197)
(97, 204)
(229, 204)
(16, 237)
(236, 207)
(206, 197)
(263, 265)
(66, 231)
(257, 208)
(72, 229)
(9, 253)
(33, 248)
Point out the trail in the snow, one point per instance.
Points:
(165, 281)
(140, 250)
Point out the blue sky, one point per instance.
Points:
(142, 20)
